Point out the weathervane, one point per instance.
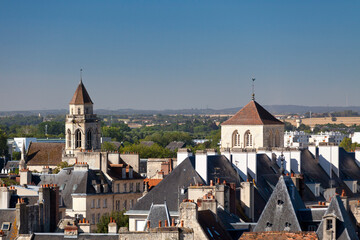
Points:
(253, 89)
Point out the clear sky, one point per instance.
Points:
(179, 54)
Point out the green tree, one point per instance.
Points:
(16, 155)
(60, 166)
(348, 145)
(119, 217)
(108, 147)
(3, 144)
(154, 151)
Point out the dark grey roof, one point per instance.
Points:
(12, 165)
(71, 181)
(184, 175)
(280, 211)
(169, 188)
(344, 227)
(175, 145)
(349, 170)
(158, 212)
(311, 214)
(8, 215)
(30, 200)
(211, 227)
(227, 218)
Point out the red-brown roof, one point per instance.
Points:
(278, 236)
(252, 114)
(44, 153)
(81, 96)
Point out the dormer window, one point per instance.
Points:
(280, 202)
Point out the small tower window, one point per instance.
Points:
(69, 138)
(78, 139)
(88, 140)
(248, 139)
(236, 139)
(79, 111)
(329, 224)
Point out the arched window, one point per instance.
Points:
(69, 138)
(271, 139)
(78, 138)
(248, 139)
(236, 139)
(277, 139)
(88, 140)
(79, 111)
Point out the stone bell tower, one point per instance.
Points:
(82, 127)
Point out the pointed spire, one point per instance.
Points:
(253, 90)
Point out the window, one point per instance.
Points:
(78, 139)
(69, 138)
(93, 218)
(93, 203)
(88, 140)
(280, 202)
(86, 110)
(248, 139)
(131, 203)
(317, 191)
(131, 187)
(277, 139)
(329, 224)
(79, 111)
(271, 143)
(117, 205)
(105, 203)
(6, 226)
(98, 203)
(98, 218)
(124, 204)
(236, 139)
(117, 187)
(137, 187)
(125, 187)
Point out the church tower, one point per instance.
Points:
(82, 127)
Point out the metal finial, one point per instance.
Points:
(253, 89)
(80, 75)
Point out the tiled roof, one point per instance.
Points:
(152, 182)
(44, 153)
(81, 96)
(252, 114)
(279, 236)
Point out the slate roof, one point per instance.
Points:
(12, 165)
(81, 96)
(211, 226)
(44, 153)
(184, 175)
(158, 212)
(344, 227)
(253, 114)
(70, 181)
(168, 189)
(349, 170)
(8, 215)
(279, 213)
(175, 145)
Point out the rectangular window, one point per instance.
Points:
(125, 203)
(93, 218)
(98, 218)
(131, 203)
(131, 187)
(117, 187)
(98, 203)
(118, 205)
(125, 187)
(137, 187)
(105, 203)
(329, 224)
(93, 203)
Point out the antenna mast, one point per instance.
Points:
(253, 89)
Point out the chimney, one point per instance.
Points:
(81, 166)
(46, 170)
(45, 199)
(21, 217)
(182, 154)
(112, 226)
(25, 177)
(298, 180)
(5, 195)
(345, 200)
(201, 164)
(84, 226)
(247, 199)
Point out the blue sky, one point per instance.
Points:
(179, 54)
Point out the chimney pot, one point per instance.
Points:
(148, 224)
(166, 223)
(159, 223)
(173, 222)
(182, 223)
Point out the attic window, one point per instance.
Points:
(62, 187)
(6, 226)
(268, 224)
(75, 187)
(287, 224)
(280, 202)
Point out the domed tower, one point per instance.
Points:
(82, 127)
